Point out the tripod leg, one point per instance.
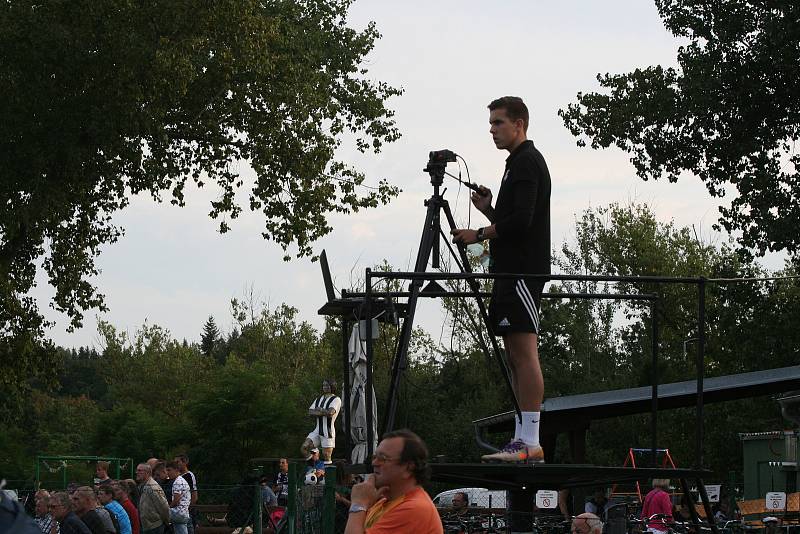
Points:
(475, 287)
(430, 235)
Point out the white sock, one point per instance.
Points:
(529, 433)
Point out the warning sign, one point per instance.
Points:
(546, 499)
(776, 500)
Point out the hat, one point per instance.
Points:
(770, 519)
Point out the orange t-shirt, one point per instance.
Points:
(413, 513)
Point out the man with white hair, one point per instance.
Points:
(153, 506)
(586, 523)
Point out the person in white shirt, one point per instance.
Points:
(180, 500)
(324, 410)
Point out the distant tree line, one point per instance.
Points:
(233, 396)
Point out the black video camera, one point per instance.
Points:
(441, 157)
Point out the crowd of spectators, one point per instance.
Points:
(159, 501)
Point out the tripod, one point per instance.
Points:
(429, 245)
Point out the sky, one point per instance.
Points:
(451, 58)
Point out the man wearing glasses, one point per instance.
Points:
(61, 509)
(391, 500)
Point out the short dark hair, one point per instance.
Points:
(107, 489)
(332, 384)
(414, 451)
(183, 458)
(463, 494)
(172, 464)
(515, 109)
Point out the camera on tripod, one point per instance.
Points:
(437, 161)
(441, 157)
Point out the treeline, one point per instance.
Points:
(229, 397)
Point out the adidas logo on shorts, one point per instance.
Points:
(504, 322)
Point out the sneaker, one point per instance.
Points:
(516, 451)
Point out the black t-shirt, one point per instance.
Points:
(71, 524)
(522, 215)
(93, 521)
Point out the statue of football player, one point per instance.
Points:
(324, 409)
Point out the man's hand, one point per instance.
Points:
(482, 199)
(465, 236)
(366, 494)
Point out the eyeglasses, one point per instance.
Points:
(381, 458)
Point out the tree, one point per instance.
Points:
(102, 101)
(751, 325)
(729, 114)
(210, 337)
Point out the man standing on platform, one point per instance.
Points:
(391, 500)
(519, 238)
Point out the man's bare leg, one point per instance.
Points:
(527, 382)
(305, 448)
(523, 356)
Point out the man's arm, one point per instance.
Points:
(192, 480)
(364, 494)
(483, 201)
(161, 505)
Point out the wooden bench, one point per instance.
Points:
(758, 508)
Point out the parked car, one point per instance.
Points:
(478, 498)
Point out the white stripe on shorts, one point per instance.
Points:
(530, 305)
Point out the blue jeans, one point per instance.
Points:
(179, 523)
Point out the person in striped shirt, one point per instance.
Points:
(324, 409)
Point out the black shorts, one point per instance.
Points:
(514, 306)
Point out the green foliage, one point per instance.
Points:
(82, 374)
(27, 363)
(152, 370)
(103, 101)
(210, 337)
(133, 430)
(247, 411)
(729, 114)
(150, 395)
(61, 425)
